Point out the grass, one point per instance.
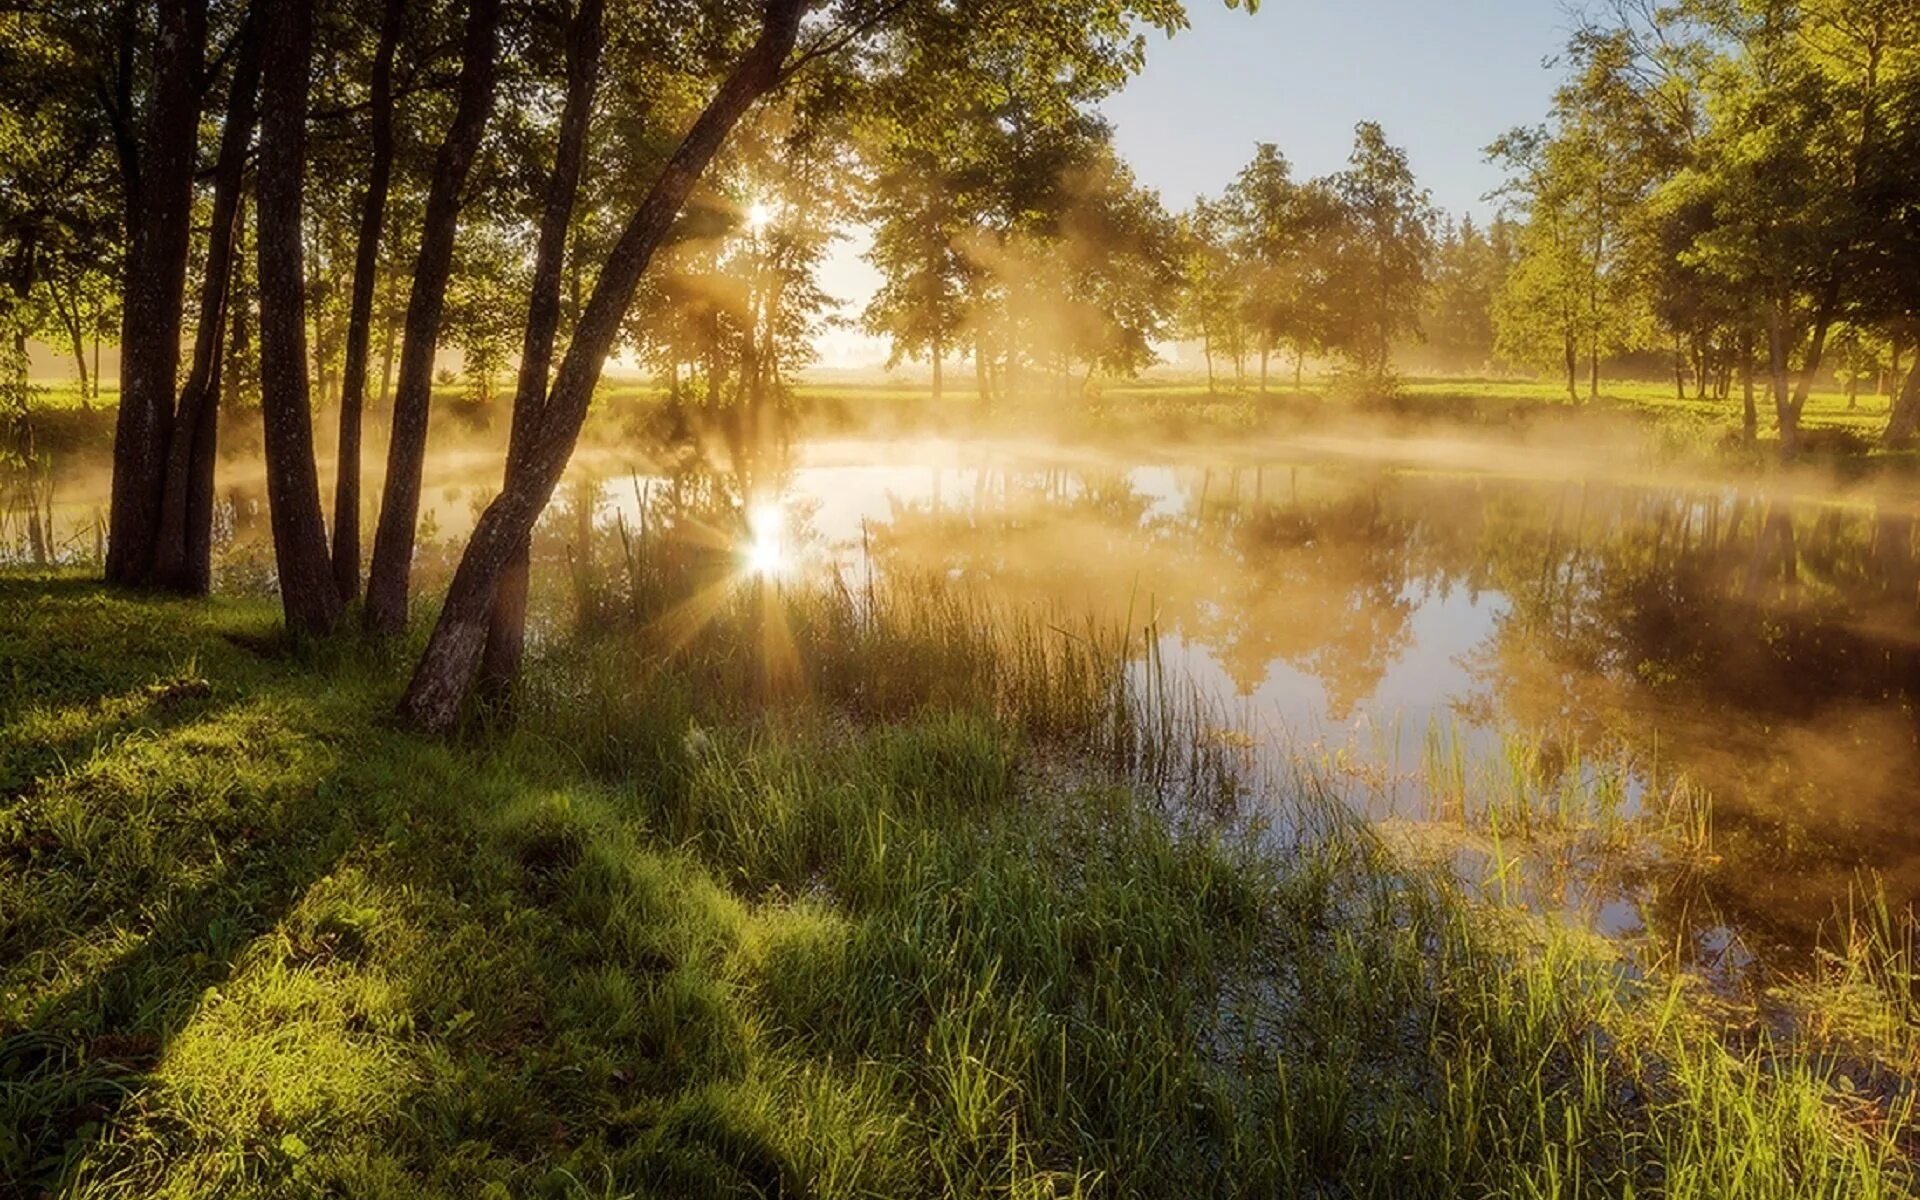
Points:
(892, 922)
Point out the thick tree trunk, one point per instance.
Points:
(183, 550)
(366, 267)
(159, 232)
(307, 594)
(445, 672)
(1904, 419)
(390, 575)
(507, 627)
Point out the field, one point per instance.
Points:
(943, 904)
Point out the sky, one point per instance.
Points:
(1442, 77)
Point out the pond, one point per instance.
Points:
(1486, 653)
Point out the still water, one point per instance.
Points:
(1421, 641)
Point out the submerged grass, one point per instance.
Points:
(905, 921)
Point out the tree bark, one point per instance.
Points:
(183, 549)
(1904, 419)
(390, 575)
(1785, 414)
(70, 321)
(445, 672)
(307, 594)
(1749, 413)
(159, 187)
(1816, 346)
(507, 626)
(366, 267)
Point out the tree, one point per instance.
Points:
(307, 593)
(920, 305)
(445, 672)
(1211, 305)
(507, 615)
(183, 549)
(366, 269)
(1093, 39)
(1280, 233)
(390, 575)
(157, 164)
(1470, 269)
(1381, 251)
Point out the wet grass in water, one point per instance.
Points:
(666, 938)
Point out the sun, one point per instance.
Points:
(765, 553)
(758, 216)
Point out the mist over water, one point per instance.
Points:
(1420, 626)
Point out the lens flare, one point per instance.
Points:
(766, 551)
(758, 216)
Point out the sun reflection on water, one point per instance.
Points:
(765, 552)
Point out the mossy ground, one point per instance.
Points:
(659, 938)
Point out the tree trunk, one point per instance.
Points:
(307, 594)
(1749, 413)
(1572, 347)
(390, 576)
(159, 197)
(981, 379)
(1822, 324)
(70, 321)
(444, 674)
(1904, 418)
(507, 627)
(1785, 414)
(366, 267)
(937, 381)
(183, 549)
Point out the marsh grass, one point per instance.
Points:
(906, 924)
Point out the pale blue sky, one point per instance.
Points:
(1443, 77)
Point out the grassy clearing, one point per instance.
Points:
(881, 925)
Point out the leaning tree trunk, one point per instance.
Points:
(366, 265)
(183, 549)
(159, 233)
(445, 672)
(1904, 420)
(507, 628)
(293, 482)
(391, 572)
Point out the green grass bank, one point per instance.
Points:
(888, 921)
